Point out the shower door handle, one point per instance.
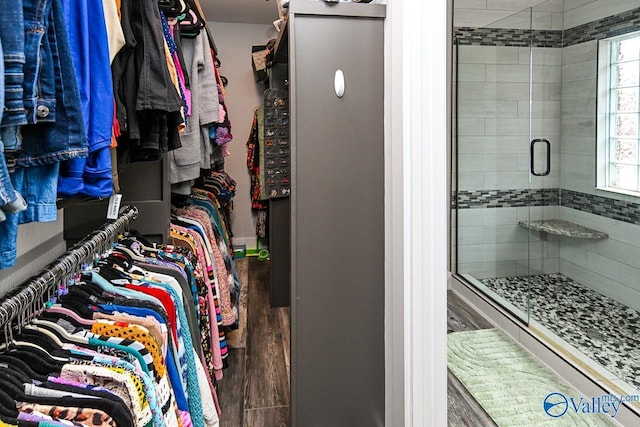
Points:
(533, 158)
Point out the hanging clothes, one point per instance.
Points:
(255, 164)
(195, 152)
(87, 33)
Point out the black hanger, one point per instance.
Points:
(119, 258)
(12, 386)
(15, 377)
(45, 341)
(86, 294)
(110, 273)
(8, 412)
(136, 235)
(78, 303)
(15, 373)
(54, 317)
(39, 360)
(21, 366)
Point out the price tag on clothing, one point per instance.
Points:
(114, 206)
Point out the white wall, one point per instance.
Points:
(38, 244)
(234, 43)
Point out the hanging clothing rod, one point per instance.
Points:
(21, 300)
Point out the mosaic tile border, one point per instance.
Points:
(607, 207)
(466, 36)
(507, 198)
(603, 206)
(614, 25)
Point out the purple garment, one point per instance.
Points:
(59, 380)
(23, 416)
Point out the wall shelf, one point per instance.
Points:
(560, 227)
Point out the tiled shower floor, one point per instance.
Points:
(601, 328)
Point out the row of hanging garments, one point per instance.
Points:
(124, 339)
(198, 227)
(135, 337)
(89, 87)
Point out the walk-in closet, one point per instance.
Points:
(192, 217)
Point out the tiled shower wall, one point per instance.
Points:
(493, 143)
(493, 155)
(610, 266)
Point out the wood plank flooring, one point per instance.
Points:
(461, 317)
(255, 390)
(462, 408)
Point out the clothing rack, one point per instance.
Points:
(26, 300)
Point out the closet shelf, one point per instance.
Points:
(561, 227)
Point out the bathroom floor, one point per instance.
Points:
(601, 328)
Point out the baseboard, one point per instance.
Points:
(251, 243)
(588, 382)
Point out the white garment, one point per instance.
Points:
(114, 29)
(208, 405)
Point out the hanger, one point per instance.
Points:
(11, 384)
(78, 302)
(40, 351)
(139, 246)
(58, 330)
(40, 361)
(31, 329)
(57, 311)
(13, 308)
(8, 412)
(133, 256)
(19, 365)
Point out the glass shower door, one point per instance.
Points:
(495, 127)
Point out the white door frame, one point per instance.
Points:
(416, 200)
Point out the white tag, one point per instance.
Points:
(114, 206)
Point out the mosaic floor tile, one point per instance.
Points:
(603, 329)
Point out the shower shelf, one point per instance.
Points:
(560, 227)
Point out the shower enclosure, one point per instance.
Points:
(546, 216)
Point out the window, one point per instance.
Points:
(619, 113)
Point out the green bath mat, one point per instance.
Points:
(517, 390)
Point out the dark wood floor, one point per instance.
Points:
(255, 390)
(462, 408)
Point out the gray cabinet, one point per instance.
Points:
(337, 214)
(144, 185)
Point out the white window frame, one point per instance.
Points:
(604, 123)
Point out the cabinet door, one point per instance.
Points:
(337, 222)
